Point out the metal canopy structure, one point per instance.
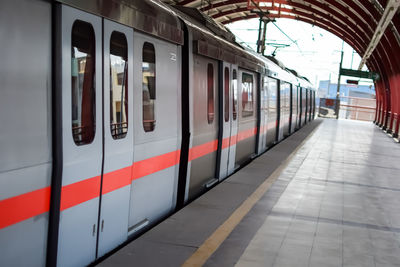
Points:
(357, 22)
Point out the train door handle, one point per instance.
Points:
(102, 225)
(94, 230)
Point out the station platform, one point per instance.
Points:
(329, 195)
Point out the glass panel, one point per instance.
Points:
(265, 95)
(247, 95)
(226, 92)
(83, 98)
(118, 85)
(284, 88)
(273, 98)
(149, 86)
(210, 93)
(234, 99)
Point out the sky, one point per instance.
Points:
(311, 51)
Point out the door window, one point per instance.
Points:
(149, 86)
(118, 85)
(210, 93)
(234, 98)
(83, 98)
(247, 95)
(226, 94)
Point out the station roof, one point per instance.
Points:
(354, 21)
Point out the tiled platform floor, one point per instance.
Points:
(341, 206)
(336, 203)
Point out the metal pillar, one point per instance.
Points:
(259, 36)
(338, 84)
(386, 19)
(262, 32)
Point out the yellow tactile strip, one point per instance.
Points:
(212, 243)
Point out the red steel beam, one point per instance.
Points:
(363, 14)
(316, 15)
(372, 63)
(243, 9)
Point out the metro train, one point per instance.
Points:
(117, 113)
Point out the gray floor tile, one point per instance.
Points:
(336, 203)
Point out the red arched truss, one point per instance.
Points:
(354, 21)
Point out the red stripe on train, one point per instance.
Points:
(226, 143)
(25, 206)
(117, 179)
(155, 164)
(246, 134)
(234, 140)
(77, 193)
(28, 205)
(202, 150)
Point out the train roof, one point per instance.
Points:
(215, 41)
(276, 69)
(149, 16)
(210, 38)
(305, 83)
(217, 28)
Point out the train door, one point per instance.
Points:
(82, 141)
(272, 118)
(312, 101)
(281, 111)
(287, 109)
(233, 119)
(290, 109)
(301, 105)
(262, 144)
(247, 119)
(204, 129)
(157, 127)
(310, 105)
(118, 136)
(298, 126)
(307, 106)
(225, 118)
(94, 197)
(294, 108)
(229, 120)
(314, 104)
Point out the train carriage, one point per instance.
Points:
(294, 106)
(26, 131)
(126, 155)
(135, 109)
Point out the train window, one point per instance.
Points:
(234, 99)
(210, 93)
(284, 90)
(118, 85)
(83, 98)
(247, 95)
(272, 94)
(149, 86)
(226, 92)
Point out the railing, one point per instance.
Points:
(355, 108)
(119, 130)
(149, 125)
(327, 108)
(83, 134)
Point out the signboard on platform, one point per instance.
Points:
(359, 74)
(352, 82)
(327, 108)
